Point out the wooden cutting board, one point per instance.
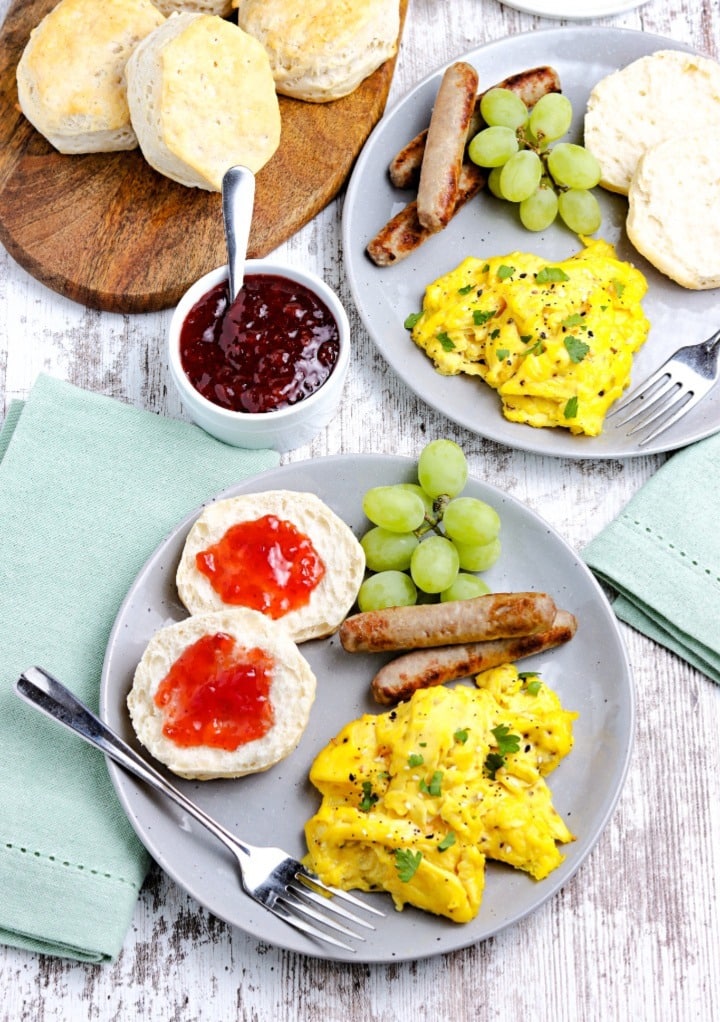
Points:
(108, 231)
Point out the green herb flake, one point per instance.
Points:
(501, 354)
(407, 863)
(506, 744)
(447, 842)
(551, 275)
(493, 762)
(533, 687)
(445, 343)
(461, 735)
(481, 316)
(368, 799)
(466, 290)
(538, 348)
(571, 408)
(619, 288)
(577, 319)
(505, 271)
(526, 338)
(486, 267)
(434, 788)
(415, 759)
(576, 349)
(494, 335)
(412, 319)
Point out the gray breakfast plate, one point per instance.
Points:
(591, 674)
(485, 226)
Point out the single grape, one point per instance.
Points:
(387, 589)
(539, 210)
(551, 117)
(573, 166)
(471, 521)
(388, 551)
(580, 210)
(442, 468)
(394, 508)
(493, 182)
(416, 488)
(520, 176)
(465, 587)
(492, 147)
(477, 557)
(503, 108)
(434, 564)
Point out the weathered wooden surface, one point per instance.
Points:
(155, 236)
(636, 934)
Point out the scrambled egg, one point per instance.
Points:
(416, 799)
(555, 340)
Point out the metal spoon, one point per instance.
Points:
(238, 196)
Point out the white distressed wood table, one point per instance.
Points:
(636, 933)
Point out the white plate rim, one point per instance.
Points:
(149, 814)
(568, 9)
(459, 398)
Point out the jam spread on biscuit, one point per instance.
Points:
(266, 564)
(275, 345)
(217, 694)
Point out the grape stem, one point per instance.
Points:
(432, 523)
(537, 147)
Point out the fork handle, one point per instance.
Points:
(41, 690)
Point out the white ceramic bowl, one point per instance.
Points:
(282, 429)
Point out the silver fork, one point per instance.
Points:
(672, 390)
(278, 882)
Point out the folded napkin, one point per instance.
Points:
(662, 555)
(88, 488)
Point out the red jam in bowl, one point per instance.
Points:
(275, 345)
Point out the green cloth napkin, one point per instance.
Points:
(88, 488)
(662, 555)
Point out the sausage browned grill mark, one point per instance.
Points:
(529, 85)
(423, 668)
(494, 616)
(445, 146)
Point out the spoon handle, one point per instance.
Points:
(238, 196)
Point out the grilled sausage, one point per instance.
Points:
(494, 616)
(399, 678)
(445, 146)
(529, 85)
(404, 233)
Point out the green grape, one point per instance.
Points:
(471, 521)
(539, 210)
(493, 182)
(442, 468)
(492, 147)
(580, 210)
(503, 108)
(551, 117)
(573, 166)
(477, 557)
(426, 499)
(434, 564)
(394, 508)
(465, 587)
(388, 551)
(387, 589)
(520, 176)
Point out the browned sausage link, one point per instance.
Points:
(445, 146)
(529, 85)
(399, 678)
(404, 233)
(494, 616)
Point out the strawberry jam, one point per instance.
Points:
(217, 694)
(266, 564)
(275, 345)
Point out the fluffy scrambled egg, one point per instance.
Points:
(416, 799)
(555, 340)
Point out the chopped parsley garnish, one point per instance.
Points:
(415, 759)
(619, 288)
(538, 348)
(501, 354)
(526, 338)
(506, 743)
(576, 319)
(505, 271)
(576, 349)
(461, 735)
(435, 786)
(533, 687)
(494, 335)
(406, 863)
(445, 342)
(368, 799)
(466, 290)
(551, 275)
(480, 316)
(447, 842)
(411, 320)
(571, 408)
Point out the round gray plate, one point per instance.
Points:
(591, 674)
(485, 226)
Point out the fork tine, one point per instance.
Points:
(279, 910)
(298, 905)
(656, 387)
(682, 408)
(656, 411)
(312, 880)
(328, 904)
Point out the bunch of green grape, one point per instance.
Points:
(427, 540)
(544, 180)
